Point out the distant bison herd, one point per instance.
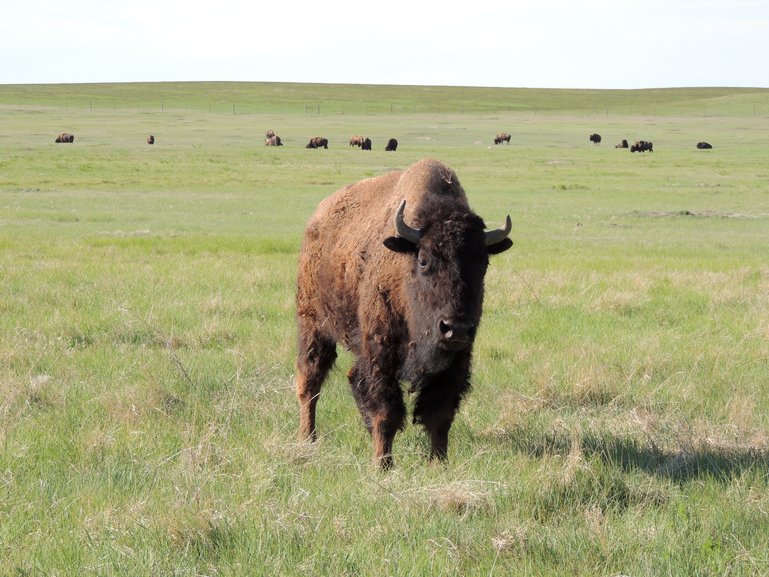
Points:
(272, 139)
(641, 145)
(364, 143)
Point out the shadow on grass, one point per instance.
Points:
(698, 459)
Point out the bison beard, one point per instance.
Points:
(406, 305)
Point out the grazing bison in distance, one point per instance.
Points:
(357, 140)
(642, 146)
(595, 138)
(366, 144)
(405, 299)
(273, 140)
(392, 145)
(502, 137)
(622, 144)
(151, 139)
(65, 137)
(704, 145)
(317, 142)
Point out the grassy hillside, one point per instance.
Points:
(619, 421)
(287, 98)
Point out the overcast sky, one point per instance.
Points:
(508, 43)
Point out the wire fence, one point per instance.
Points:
(378, 108)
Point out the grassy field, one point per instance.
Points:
(619, 421)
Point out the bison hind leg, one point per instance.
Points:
(316, 357)
(359, 388)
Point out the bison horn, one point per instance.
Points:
(402, 229)
(500, 234)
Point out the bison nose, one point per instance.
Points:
(456, 332)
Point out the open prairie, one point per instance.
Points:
(619, 418)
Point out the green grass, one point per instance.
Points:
(619, 420)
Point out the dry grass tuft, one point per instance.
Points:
(460, 498)
(514, 541)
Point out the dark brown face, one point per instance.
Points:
(445, 287)
(446, 284)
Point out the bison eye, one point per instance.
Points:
(422, 261)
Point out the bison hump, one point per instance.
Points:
(428, 178)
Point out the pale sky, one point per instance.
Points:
(505, 43)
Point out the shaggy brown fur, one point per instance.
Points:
(642, 146)
(408, 312)
(317, 142)
(356, 140)
(65, 137)
(502, 137)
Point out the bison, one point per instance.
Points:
(502, 137)
(704, 145)
(366, 144)
(317, 142)
(622, 144)
(595, 138)
(642, 146)
(274, 140)
(357, 140)
(65, 137)
(392, 145)
(151, 139)
(405, 299)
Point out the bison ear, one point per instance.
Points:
(500, 246)
(398, 244)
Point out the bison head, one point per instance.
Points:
(444, 281)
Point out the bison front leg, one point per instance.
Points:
(437, 404)
(315, 359)
(437, 427)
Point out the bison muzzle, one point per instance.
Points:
(393, 268)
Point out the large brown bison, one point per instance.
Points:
(151, 139)
(317, 142)
(704, 145)
(357, 140)
(595, 138)
(405, 299)
(65, 137)
(366, 144)
(502, 137)
(642, 146)
(273, 140)
(392, 145)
